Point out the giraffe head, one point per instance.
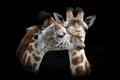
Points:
(76, 25)
(36, 42)
(50, 26)
(55, 29)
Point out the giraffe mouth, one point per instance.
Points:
(81, 46)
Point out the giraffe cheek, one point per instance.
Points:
(30, 48)
(36, 58)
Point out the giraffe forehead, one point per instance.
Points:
(77, 26)
(76, 21)
(59, 27)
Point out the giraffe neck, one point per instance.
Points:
(34, 52)
(44, 41)
(78, 61)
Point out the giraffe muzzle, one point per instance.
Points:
(81, 45)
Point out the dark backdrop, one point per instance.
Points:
(99, 39)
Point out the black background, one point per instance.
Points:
(100, 39)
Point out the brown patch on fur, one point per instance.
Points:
(36, 57)
(79, 69)
(77, 34)
(36, 45)
(20, 51)
(58, 26)
(87, 65)
(29, 48)
(32, 40)
(77, 60)
(61, 47)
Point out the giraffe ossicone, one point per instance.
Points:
(56, 35)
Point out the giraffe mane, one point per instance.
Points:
(25, 41)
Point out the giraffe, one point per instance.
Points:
(51, 36)
(55, 35)
(76, 26)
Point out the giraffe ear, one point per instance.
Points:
(90, 20)
(58, 17)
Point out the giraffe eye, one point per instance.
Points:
(61, 35)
